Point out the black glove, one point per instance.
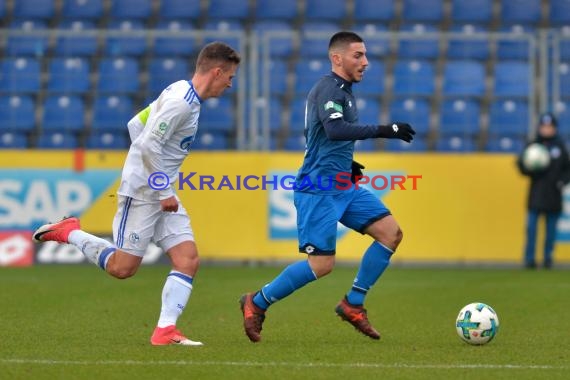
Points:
(402, 131)
(356, 171)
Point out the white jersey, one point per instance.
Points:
(160, 142)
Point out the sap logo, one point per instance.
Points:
(282, 218)
(29, 198)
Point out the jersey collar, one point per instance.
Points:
(194, 91)
(342, 83)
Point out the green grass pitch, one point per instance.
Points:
(75, 322)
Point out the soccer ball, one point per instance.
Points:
(536, 157)
(477, 323)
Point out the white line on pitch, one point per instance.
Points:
(280, 364)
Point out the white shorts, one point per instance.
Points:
(137, 223)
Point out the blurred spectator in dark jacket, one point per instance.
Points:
(545, 193)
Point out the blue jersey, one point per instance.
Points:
(330, 107)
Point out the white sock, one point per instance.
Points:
(90, 245)
(175, 295)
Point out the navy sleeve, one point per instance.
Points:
(330, 106)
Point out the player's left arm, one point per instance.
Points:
(331, 114)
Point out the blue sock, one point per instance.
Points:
(293, 277)
(374, 262)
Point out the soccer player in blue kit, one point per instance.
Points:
(331, 128)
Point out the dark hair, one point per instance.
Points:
(342, 39)
(547, 118)
(216, 53)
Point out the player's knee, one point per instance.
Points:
(122, 273)
(186, 264)
(321, 265)
(393, 239)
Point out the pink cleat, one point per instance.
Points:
(56, 231)
(163, 336)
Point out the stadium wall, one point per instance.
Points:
(464, 208)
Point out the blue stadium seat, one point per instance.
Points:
(373, 82)
(480, 11)
(118, 75)
(559, 12)
(274, 113)
(414, 78)
(514, 49)
(34, 9)
(419, 144)
(279, 45)
(564, 43)
(564, 78)
(308, 72)
(131, 9)
(69, 75)
(73, 45)
(121, 46)
(180, 9)
(277, 77)
(465, 48)
(18, 113)
(13, 140)
(315, 38)
(19, 75)
(423, 10)
(520, 11)
(295, 143)
(107, 140)
(57, 140)
(82, 9)
(165, 71)
(297, 116)
(229, 32)
(368, 110)
(228, 10)
(33, 45)
(175, 45)
(112, 113)
(504, 144)
(276, 10)
(509, 116)
(456, 144)
(512, 79)
(63, 113)
(460, 116)
(330, 10)
(217, 115)
(376, 45)
(418, 48)
(416, 112)
(464, 78)
(562, 109)
(2, 8)
(373, 10)
(211, 141)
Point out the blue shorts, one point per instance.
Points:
(318, 215)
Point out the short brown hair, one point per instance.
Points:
(214, 54)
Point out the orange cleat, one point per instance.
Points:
(163, 336)
(253, 317)
(56, 231)
(356, 316)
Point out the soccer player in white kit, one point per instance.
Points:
(161, 138)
